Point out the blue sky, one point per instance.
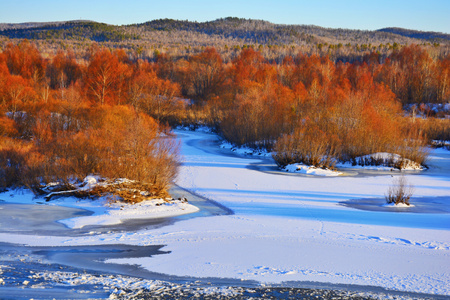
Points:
(426, 15)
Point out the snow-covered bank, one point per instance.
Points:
(75, 285)
(310, 170)
(382, 161)
(245, 150)
(104, 211)
(116, 212)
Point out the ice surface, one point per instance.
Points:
(291, 227)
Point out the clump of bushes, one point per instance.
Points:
(321, 143)
(308, 145)
(116, 142)
(437, 131)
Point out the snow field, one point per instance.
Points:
(290, 227)
(283, 228)
(274, 250)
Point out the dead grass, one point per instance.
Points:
(114, 190)
(400, 191)
(129, 192)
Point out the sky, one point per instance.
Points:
(425, 15)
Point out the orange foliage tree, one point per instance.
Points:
(118, 143)
(105, 77)
(206, 74)
(69, 118)
(155, 96)
(25, 60)
(63, 70)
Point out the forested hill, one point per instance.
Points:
(234, 30)
(263, 32)
(71, 30)
(416, 34)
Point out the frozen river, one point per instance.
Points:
(255, 226)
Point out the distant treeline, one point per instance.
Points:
(244, 31)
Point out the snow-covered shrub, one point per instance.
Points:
(400, 191)
(387, 160)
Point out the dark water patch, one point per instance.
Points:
(20, 282)
(82, 258)
(425, 205)
(18, 263)
(95, 257)
(42, 219)
(78, 292)
(36, 217)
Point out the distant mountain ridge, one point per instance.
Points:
(77, 30)
(27, 25)
(240, 30)
(417, 34)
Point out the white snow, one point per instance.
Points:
(116, 212)
(310, 170)
(285, 228)
(91, 180)
(288, 227)
(398, 205)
